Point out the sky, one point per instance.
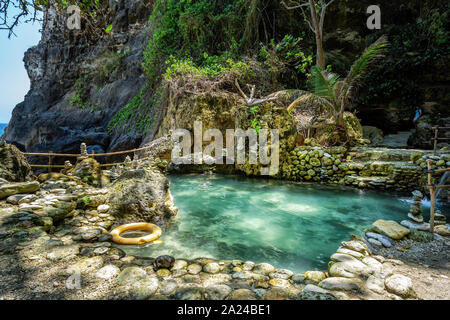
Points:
(14, 82)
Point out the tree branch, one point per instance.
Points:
(296, 6)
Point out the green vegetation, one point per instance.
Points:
(284, 57)
(193, 31)
(255, 122)
(332, 94)
(213, 66)
(82, 92)
(136, 115)
(414, 48)
(110, 66)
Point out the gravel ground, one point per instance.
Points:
(426, 263)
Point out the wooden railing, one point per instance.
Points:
(51, 155)
(436, 137)
(433, 189)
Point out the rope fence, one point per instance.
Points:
(51, 155)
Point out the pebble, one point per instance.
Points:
(163, 272)
(400, 285)
(194, 269)
(107, 272)
(315, 276)
(242, 294)
(211, 267)
(263, 268)
(339, 283)
(103, 208)
(217, 292)
(383, 239)
(348, 269)
(276, 282)
(281, 274)
(375, 242)
(168, 287)
(58, 191)
(248, 266)
(298, 278)
(179, 264)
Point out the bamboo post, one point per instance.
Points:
(435, 139)
(50, 161)
(93, 154)
(432, 196)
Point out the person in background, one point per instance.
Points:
(417, 115)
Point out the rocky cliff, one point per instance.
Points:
(78, 83)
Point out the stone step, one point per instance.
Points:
(375, 181)
(386, 154)
(388, 166)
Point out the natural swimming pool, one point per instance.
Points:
(290, 225)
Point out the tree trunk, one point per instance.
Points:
(320, 59)
(341, 116)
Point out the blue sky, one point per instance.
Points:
(14, 82)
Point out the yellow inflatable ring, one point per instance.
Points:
(153, 228)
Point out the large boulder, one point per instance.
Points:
(160, 148)
(390, 228)
(373, 134)
(141, 195)
(10, 189)
(13, 165)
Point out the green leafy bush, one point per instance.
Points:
(189, 29)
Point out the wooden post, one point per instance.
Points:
(50, 161)
(93, 154)
(432, 196)
(435, 139)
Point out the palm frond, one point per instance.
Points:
(361, 66)
(323, 82)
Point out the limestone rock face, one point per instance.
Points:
(13, 165)
(141, 196)
(390, 228)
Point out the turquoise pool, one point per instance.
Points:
(289, 225)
